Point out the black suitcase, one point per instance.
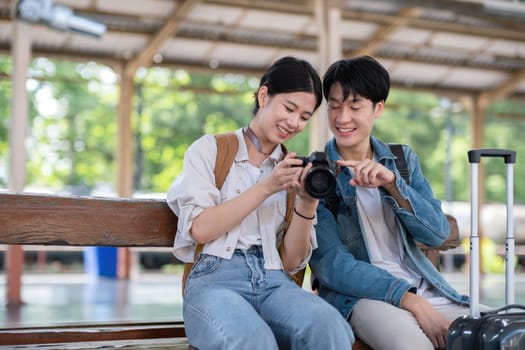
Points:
(494, 330)
(503, 328)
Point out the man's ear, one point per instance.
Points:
(379, 108)
(262, 95)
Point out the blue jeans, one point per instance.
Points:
(237, 304)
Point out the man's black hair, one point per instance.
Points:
(363, 76)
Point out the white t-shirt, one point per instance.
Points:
(385, 246)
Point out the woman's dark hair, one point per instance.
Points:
(289, 74)
(361, 75)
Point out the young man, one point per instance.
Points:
(368, 264)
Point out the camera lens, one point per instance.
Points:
(319, 182)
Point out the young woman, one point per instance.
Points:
(239, 294)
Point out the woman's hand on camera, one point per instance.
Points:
(284, 174)
(297, 184)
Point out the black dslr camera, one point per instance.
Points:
(321, 178)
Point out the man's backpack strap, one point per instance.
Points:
(401, 163)
(227, 146)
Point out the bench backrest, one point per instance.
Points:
(35, 219)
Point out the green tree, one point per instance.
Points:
(5, 112)
(502, 131)
(178, 109)
(72, 133)
(415, 119)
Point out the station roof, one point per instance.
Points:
(468, 47)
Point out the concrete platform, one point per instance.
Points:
(63, 298)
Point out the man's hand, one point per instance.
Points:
(367, 173)
(433, 323)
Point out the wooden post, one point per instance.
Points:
(476, 108)
(21, 52)
(125, 134)
(125, 159)
(328, 18)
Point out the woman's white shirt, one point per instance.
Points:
(194, 190)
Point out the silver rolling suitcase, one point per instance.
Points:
(503, 328)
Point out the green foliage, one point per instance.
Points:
(417, 119)
(504, 133)
(72, 129)
(72, 132)
(5, 112)
(172, 117)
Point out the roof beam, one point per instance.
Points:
(466, 8)
(487, 97)
(433, 25)
(169, 28)
(384, 33)
(304, 7)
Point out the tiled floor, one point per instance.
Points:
(61, 298)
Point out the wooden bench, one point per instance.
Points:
(31, 219)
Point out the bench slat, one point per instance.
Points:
(36, 219)
(91, 332)
(132, 344)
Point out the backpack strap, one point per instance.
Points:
(298, 277)
(290, 200)
(227, 146)
(290, 203)
(401, 163)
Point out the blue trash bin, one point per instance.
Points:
(100, 261)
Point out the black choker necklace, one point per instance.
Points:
(253, 138)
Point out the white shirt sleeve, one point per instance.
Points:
(193, 191)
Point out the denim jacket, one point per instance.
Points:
(341, 262)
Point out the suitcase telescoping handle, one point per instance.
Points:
(509, 158)
(474, 156)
